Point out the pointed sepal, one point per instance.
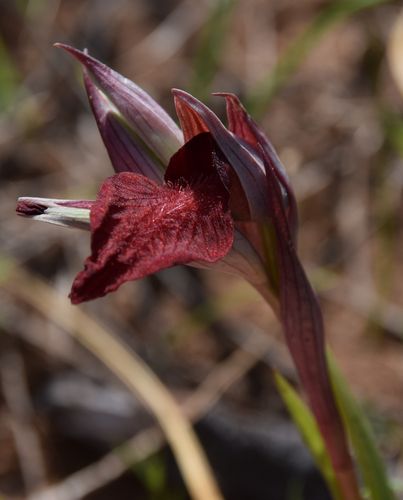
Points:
(126, 152)
(147, 118)
(245, 128)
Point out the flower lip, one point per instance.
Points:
(139, 226)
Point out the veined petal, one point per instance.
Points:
(191, 123)
(67, 213)
(244, 127)
(147, 118)
(139, 227)
(249, 173)
(126, 153)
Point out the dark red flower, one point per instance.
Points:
(205, 195)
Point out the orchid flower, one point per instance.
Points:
(206, 195)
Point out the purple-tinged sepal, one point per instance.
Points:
(246, 129)
(145, 116)
(303, 326)
(66, 213)
(126, 152)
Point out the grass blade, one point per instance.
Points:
(9, 77)
(309, 431)
(369, 461)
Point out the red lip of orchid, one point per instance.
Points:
(223, 201)
(139, 226)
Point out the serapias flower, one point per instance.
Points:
(192, 196)
(204, 195)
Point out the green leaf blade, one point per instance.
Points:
(369, 461)
(309, 431)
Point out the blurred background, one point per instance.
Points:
(323, 79)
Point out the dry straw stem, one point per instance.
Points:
(130, 369)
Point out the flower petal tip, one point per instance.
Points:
(181, 94)
(75, 298)
(27, 207)
(67, 213)
(89, 63)
(226, 94)
(78, 54)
